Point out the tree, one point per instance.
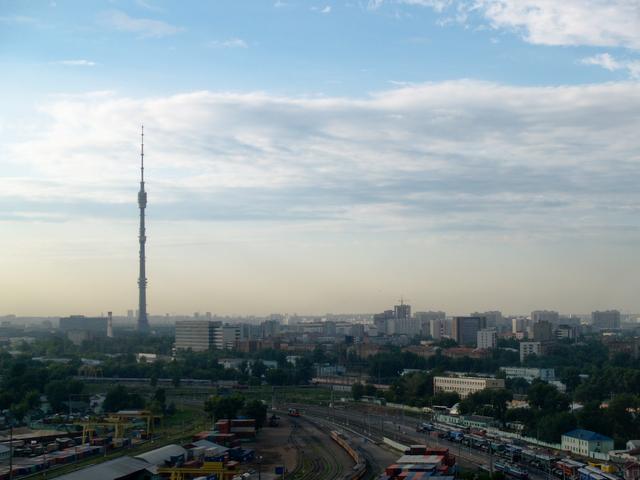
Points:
(219, 407)
(448, 399)
(550, 427)
(357, 391)
(119, 398)
(276, 376)
(257, 410)
(547, 398)
(258, 369)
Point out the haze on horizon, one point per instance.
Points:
(320, 156)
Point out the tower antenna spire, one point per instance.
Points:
(142, 155)
(143, 320)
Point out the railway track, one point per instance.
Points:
(317, 457)
(376, 427)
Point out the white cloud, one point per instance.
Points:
(229, 43)
(76, 63)
(441, 158)
(610, 63)
(604, 23)
(145, 27)
(18, 20)
(326, 9)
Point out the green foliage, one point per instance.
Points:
(547, 398)
(59, 391)
(487, 402)
(357, 391)
(119, 398)
(257, 410)
(219, 407)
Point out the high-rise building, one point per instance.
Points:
(487, 338)
(426, 318)
(437, 328)
(465, 329)
(545, 316)
(80, 323)
(543, 331)
(564, 332)
(530, 348)
(197, 335)
(225, 337)
(381, 321)
(143, 320)
(606, 320)
(110, 324)
(518, 324)
(494, 317)
(404, 326)
(402, 311)
(270, 328)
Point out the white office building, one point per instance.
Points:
(464, 386)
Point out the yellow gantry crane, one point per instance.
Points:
(127, 415)
(89, 427)
(207, 468)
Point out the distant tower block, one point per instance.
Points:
(143, 321)
(110, 324)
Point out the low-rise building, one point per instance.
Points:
(530, 374)
(465, 386)
(586, 443)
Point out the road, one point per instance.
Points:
(389, 424)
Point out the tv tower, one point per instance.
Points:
(143, 321)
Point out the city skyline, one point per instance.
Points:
(472, 155)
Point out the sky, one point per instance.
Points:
(307, 156)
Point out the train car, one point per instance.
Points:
(569, 468)
(475, 441)
(511, 470)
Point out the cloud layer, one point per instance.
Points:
(453, 158)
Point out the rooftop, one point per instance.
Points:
(111, 470)
(588, 435)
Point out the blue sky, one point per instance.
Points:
(359, 149)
